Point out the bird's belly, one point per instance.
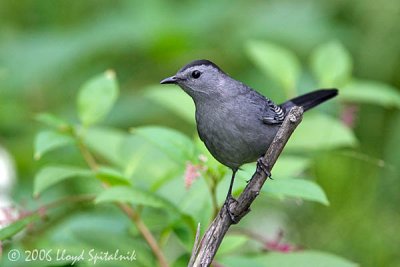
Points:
(234, 143)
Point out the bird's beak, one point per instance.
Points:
(172, 79)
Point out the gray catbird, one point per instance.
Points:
(236, 123)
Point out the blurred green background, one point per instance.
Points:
(48, 49)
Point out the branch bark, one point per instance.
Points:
(204, 254)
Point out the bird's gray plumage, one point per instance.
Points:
(233, 128)
(236, 123)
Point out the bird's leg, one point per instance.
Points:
(261, 167)
(229, 198)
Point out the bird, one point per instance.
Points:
(236, 123)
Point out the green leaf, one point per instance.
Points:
(185, 230)
(331, 64)
(46, 141)
(169, 98)
(285, 167)
(112, 176)
(133, 196)
(52, 175)
(107, 143)
(97, 97)
(371, 92)
(320, 131)
(304, 259)
(232, 243)
(297, 188)
(290, 166)
(137, 156)
(277, 62)
(53, 121)
(15, 227)
(173, 143)
(182, 260)
(195, 201)
(240, 261)
(92, 228)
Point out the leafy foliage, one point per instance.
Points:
(306, 258)
(319, 131)
(97, 97)
(124, 194)
(175, 144)
(50, 140)
(278, 63)
(297, 188)
(371, 92)
(52, 175)
(169, 99)
(10, 230)
(331, 64)
(170, 179)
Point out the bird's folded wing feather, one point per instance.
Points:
(273, 114)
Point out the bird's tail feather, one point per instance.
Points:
(310, 100)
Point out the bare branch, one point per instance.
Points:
(196, 247)
(218, 228)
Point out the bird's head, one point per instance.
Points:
(200, 79)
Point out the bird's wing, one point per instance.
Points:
(272, 114)
(269, 111)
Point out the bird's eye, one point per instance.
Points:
(196, 74)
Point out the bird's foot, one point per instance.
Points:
(229, 199)
(261, 167)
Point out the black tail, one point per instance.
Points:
(311, 99)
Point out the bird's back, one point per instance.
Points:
(232, 128)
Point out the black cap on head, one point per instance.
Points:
(199, 62)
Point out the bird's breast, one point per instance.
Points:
(233, 134)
